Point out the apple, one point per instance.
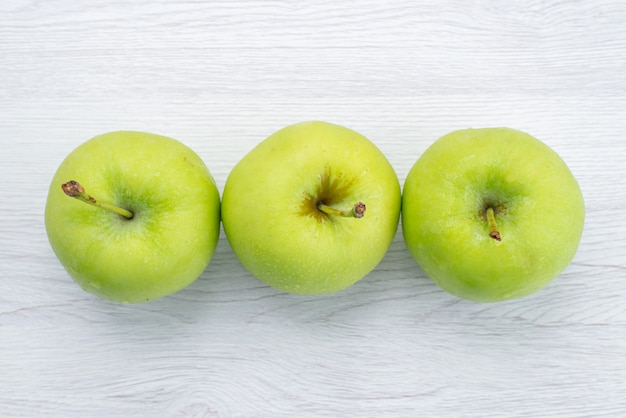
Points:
(144, 219)
(491, 214)
(312, 209)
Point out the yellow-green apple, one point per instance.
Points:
(312, 209)
(144, 219)
(491, 214)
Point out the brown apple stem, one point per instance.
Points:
(74, 189)
(356, 212)
(493, 226)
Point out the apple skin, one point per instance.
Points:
(539, 211)
(271, 220)
(172, 236)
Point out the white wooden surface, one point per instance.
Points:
(221, 76)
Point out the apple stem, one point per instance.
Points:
(493, 226)
(74, 189)
(356, 212)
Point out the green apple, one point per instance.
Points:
(312, 209)
(152, 222)
(491, 214)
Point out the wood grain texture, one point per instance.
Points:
(221, 76)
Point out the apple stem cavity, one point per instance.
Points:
(74, 189)
(358, 211)
(493, 226)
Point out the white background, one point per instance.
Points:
(221, 76)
